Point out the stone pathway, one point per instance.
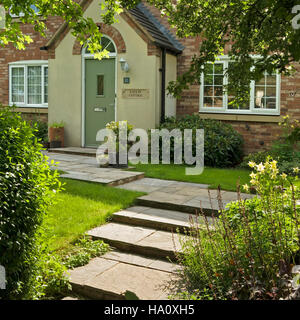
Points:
(86, 168)
(145, 239)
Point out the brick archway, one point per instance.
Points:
(109, 31)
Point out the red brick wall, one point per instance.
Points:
(257, 135)
(32, 52)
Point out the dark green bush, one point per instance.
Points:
(223, 146)
(41, 130)
(27, 188)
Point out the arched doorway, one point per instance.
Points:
(99, 91)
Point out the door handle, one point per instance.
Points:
(100, 109)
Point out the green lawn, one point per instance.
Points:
(82, 206)
(226, 178)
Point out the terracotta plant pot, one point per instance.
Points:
(56, 134)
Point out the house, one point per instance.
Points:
(145, 55)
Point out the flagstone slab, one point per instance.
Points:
(81, 275)
(120, 232)
(138, 240)
(145, 283)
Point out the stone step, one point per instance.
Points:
(112, 275)
(88, 152)
(166, 220)
(139, 240)
(173, 202)
(205, 202)
(110, 178)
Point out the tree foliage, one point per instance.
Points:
(263, 27)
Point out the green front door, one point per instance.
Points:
(99, 97)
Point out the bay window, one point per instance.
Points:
(28, 84)
(264, 95)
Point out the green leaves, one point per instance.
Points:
(26, 191)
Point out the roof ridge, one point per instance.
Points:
(167, 33)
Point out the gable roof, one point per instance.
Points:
(161, 35)
(156, 32)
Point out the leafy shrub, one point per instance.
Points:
(257, 157)
(248, 252)
(41, 130)
(223, 146)
(85, 250)
(53, 281)
(27, 188)
(285, 150)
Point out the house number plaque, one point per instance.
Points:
(136, 93)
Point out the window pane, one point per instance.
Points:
(208, 102)
(218, 92)
(105, 42)
(242, 106)
(218, 68)
(270, 103)
(17, 83)
(271, 80)
(218, 102)
(208, 68)
(111, 48)
(208, 79)
(271, 91)
(208, 91)
(100, 85)
(265, 92)
(46, 85)
(34, 80)
(218, 80)
(213, 85)
(259, 96)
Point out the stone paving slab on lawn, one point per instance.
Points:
(138, 240)
(115, 273)
(188, 199)
(85, 168)
(147, 284)
(166, 220)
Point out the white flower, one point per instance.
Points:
(260, 167)
(283, 176)
(251, 164)
(253, 175)
(296, 170)
(246, 187)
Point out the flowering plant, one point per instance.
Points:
(251, 250)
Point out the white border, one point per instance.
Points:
(25, 64)
(85, 57)
(252, 110)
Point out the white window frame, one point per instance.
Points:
(25, 64)
(252, 110)
(22, 13)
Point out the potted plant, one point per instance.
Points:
(115, 127)
(56, 134)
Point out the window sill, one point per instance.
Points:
(241, 117)
(31, 109)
